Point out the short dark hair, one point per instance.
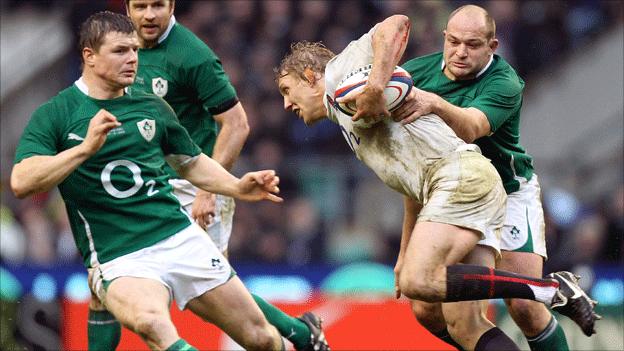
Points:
(302, 55)
(95, 28)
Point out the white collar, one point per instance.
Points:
(82, 86)
(164, 36)
(480, 72)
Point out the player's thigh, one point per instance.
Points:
(129, 298)
(525, 263)
(230, 307)
(433, 245)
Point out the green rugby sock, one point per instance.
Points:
(289, 327)
(551, 338)
(103, 331)
(181, 345)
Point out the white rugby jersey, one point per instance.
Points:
(399, 155)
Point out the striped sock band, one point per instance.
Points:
(471, 282)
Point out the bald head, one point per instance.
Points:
(472, 18)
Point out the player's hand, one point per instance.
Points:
(418, 103)
(370, 104)
(260, 185)
(397, 270)
(99, 126)
(203, 210)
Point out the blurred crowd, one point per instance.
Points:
(331, 201)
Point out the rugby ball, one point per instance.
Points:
(396, 90)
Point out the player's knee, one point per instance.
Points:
(263, 337)
(417, 287)
(150, 325)
(524, 312)
(419, 283)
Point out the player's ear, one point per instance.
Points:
(311, 76)
(88, 56)
(172, 6)
(493, 44)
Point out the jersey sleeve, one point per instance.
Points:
(499, 101)
(212, 84)
(176, 140)
(40, 137)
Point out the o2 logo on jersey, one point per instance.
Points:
(105, 177)
(351, 138)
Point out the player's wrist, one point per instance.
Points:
(84, 150)
(374, 88)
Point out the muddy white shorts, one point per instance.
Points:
(221, 227)
(464, 189)
(188, 264)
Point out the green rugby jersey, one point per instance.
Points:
(497, 92)
(119, 200)
(188, 75)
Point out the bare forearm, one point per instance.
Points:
(232, 136)
(208, 175)
(41, 173)
(229, 145)
(389, 42)
(468, 123)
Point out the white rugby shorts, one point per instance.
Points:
(524, 229)
(220, 229)
(464, 189)
(188, 264)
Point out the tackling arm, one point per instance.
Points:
(468, 123)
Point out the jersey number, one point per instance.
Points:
(136, 176)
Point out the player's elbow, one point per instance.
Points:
(403, 22)
(396, 23)
(468, 135)
(242, 128)
(19, 186)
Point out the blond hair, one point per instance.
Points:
(302, 55)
